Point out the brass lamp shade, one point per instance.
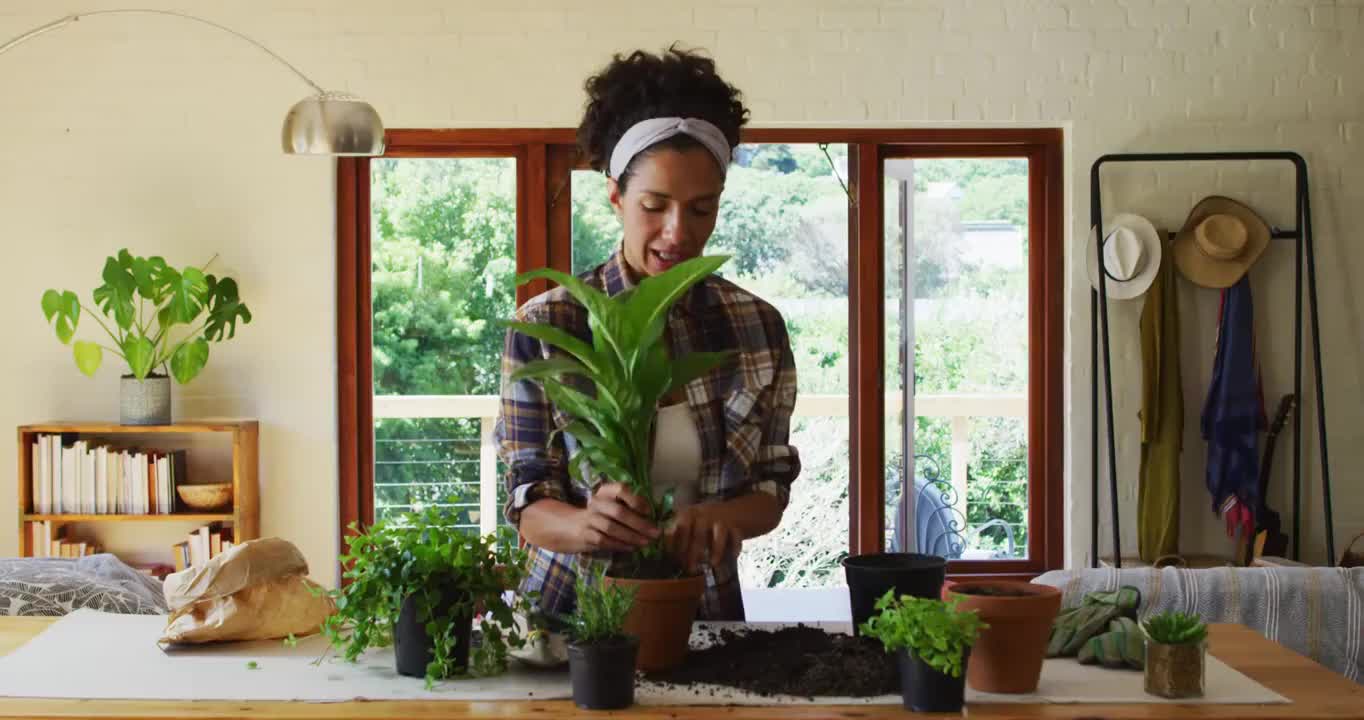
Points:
(333, 124)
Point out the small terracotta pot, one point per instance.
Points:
(661, 618)
(1007, 657)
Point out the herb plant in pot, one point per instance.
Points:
(625, 370)
(932, 641)
(1019, 615)
(145, 300)
(417, 582)
(601, 656)
(1176, 654)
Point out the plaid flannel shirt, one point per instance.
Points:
(742, 412)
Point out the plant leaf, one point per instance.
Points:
(649, 304)
(550, 368)
(187, 289)
(189, 359)
(146, 276)
(88, 357)
(224, 308)
(694, 365)
(66, 307)
(561, 339)
(606, 318)
(115, 296)
(140, 352)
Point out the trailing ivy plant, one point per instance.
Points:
(1175, 628)
(628, 366)
(422, 555)
(601, 611)
(145, 299)
(934, 631)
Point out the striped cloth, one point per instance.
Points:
(742, 413)
(1316, 612)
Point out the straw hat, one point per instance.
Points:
(1220, 240)
(1131, 256)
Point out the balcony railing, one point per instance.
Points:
(958, 409)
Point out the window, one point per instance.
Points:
(819, 223)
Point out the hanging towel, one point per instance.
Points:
(1233, 415)
(1162, 419)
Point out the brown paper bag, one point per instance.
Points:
(258, 590)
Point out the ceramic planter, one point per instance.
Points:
(1175, 671)
(145, 402)
(412, 646)
(870, 576)
(661, 618)
(1008, 654)
(603, 674)
(923, 688)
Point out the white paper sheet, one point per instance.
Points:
(94, 655)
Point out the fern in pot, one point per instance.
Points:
(420, 584)
(932, 641)
(629, 370)
(601, 655)
(159, 319)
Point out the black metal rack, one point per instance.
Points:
(1099, 321)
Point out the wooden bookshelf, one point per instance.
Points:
(243, 515)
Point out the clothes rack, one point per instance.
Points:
(1098, 307)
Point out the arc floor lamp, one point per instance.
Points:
(326, 123)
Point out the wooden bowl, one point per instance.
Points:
(206, 497)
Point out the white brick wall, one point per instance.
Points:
(160, 135)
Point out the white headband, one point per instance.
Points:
(646, 133)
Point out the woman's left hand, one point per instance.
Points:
(702, 534)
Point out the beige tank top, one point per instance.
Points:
(677, 455)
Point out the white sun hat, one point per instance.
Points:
(1131, 250)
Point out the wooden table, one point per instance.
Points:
(1316, 693)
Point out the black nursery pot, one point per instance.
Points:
(925, 689)
(870, 576)
(412, 646)
(603, 674)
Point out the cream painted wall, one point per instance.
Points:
(161, 136)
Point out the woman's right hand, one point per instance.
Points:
(615, 519)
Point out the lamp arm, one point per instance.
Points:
(63, 22)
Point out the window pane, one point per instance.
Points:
(784, 219)
(443, 246)
(967, 326)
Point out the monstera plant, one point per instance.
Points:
(157, 317)
(628, 366)
(146, 299)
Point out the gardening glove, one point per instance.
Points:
(1121, 647)
(1076, 626)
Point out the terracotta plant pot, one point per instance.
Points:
(1007, 658)
(870, 576)
(603, 674)
(661, 618)
(1175, 671)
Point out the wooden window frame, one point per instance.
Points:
(545, 159)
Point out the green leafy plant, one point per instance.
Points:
(600, 614)
(628, 365)
(1175, 628)
(207, 306)
(422, 555)
(934, 631)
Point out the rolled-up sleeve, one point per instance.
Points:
(536, 468)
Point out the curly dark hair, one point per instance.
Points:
(643, 85)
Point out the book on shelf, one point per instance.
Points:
(49, 542)
(78, 477)
(202, 545)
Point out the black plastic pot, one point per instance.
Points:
(924, 689)
(411, 644)
(870, 576)
(603, 674)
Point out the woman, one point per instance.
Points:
(662, 128)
